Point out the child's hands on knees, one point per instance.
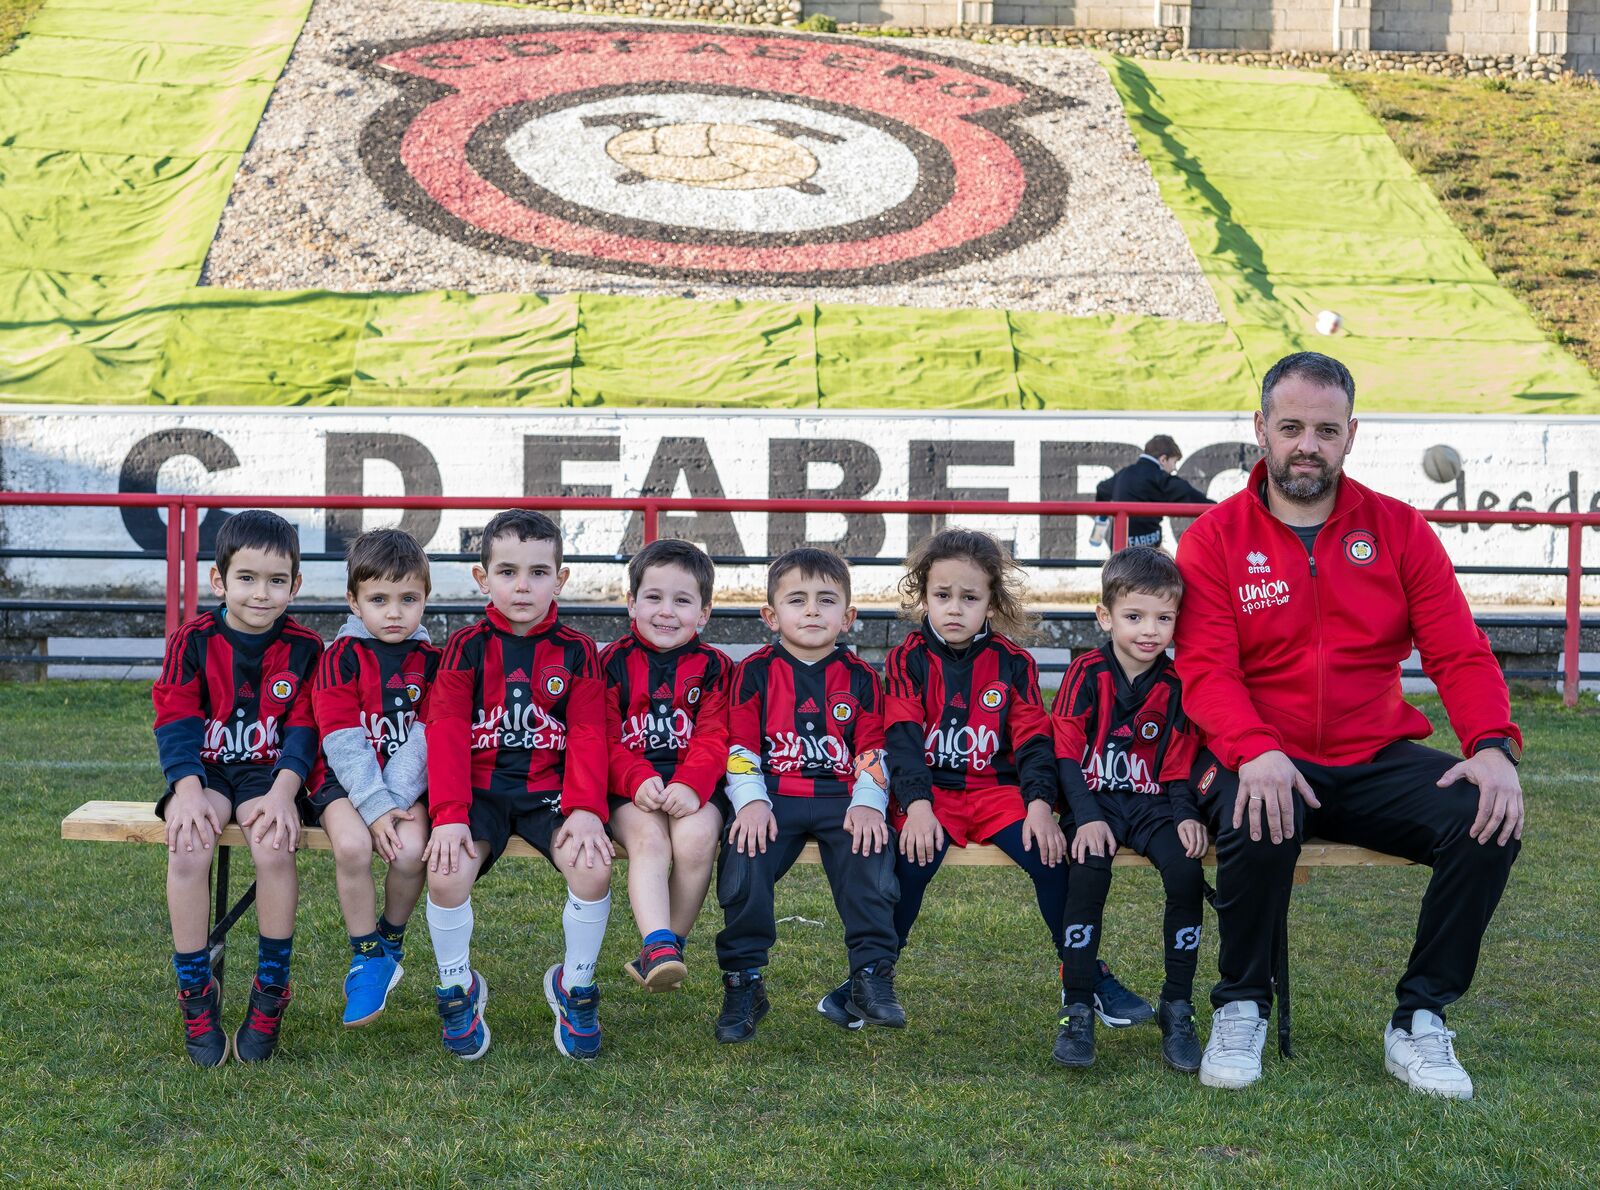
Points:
(386, 833)
(1192, 834)
(753, 828)
(648, 795)
(921, 836)
(446, 845)
(866, 826)
(276, 814)
(585, 835)
(190, 809)
(679, 801)
(1096, 839)
(1041, 828)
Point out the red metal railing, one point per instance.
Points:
(184, 514)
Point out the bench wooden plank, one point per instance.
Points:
(136, 822)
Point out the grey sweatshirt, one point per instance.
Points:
(375, 790)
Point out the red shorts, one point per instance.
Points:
(971, 816)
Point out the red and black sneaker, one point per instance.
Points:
(257, 1038)
(660, 968)
(202, 1025)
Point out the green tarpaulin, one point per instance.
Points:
(122, 123)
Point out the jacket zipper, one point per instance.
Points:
(1316, 611)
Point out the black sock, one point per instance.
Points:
(193, 969)
(1088, 884)
(272, 961)
(370, 945)
(392, 934)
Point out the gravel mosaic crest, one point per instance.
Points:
(549, 153)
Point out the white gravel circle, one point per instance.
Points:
(865, 172)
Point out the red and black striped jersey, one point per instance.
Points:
(511, 714)
(1117, 736)
(229, 697)
(806, 721)
(666, 714)
(966, 720)
(376, 686)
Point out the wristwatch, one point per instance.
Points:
(1505, 743)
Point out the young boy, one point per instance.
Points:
(517, 746)
(1123, 741)
(236, 736)
(667, 722)
(806, 761)
(370, 688)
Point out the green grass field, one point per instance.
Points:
(97, 1090)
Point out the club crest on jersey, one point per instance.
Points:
(692, 695)
(843, 709)
(1361, 547)
(281, 686)
(993, 697)
(1207, 780)
(554, 681)
(413, 690)
(1149, 729)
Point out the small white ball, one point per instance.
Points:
(1328, 323)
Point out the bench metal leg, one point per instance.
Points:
(224, 916)
(1280, 981)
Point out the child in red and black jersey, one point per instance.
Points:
(370, 694)
(237, 740)
(517, 746)
(1126, 750)
(970, 750)
(805, 761)
(667, 720)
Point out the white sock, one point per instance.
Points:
(585, 926)
(451, 931)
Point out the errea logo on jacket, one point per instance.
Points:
(1254, 597)
(1258, 562)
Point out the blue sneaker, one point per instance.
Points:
(577, 1031)
(366, 988)
(466, 1033)
(1115, 1005)
(833, 1007)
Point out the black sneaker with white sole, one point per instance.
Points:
(1115, 1005)
(1075, 1040)
(835, 1006)
(872, 999)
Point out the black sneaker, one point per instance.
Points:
(1115, 1005)
(834, 1006)
(872, 999)
(257, 1038)
(203, 1038)
(1180, 1044)
(744, 1003)
(1075, 1041)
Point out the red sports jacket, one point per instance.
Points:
(1280, 651)
(511, 714)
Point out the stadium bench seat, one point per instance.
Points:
(136, 822)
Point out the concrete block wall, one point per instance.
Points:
(1583, 36)
(1455, 26)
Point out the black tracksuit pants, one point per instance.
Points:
(864, 887)
(1391, 804)
(1142, 824)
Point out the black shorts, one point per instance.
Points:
(313, 804)
(239, 783)
(494, 818)
(1134, 819)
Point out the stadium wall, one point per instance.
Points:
(1504, 463)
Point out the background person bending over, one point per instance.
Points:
(1149, 479)
(1303, 595)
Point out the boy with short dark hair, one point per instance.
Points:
(237, 740)
(369, 696)
(1122, 741)
(517, 746)
(806, 761)
(667, 722)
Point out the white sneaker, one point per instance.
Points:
(1424, 1059)
(1233, 1053)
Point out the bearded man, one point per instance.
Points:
(1304, 593)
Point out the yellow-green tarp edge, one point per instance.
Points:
(122, 123)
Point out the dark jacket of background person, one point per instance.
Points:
(1145, 482)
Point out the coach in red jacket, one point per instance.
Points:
(1303, 595)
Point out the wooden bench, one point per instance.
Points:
(136, 822)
